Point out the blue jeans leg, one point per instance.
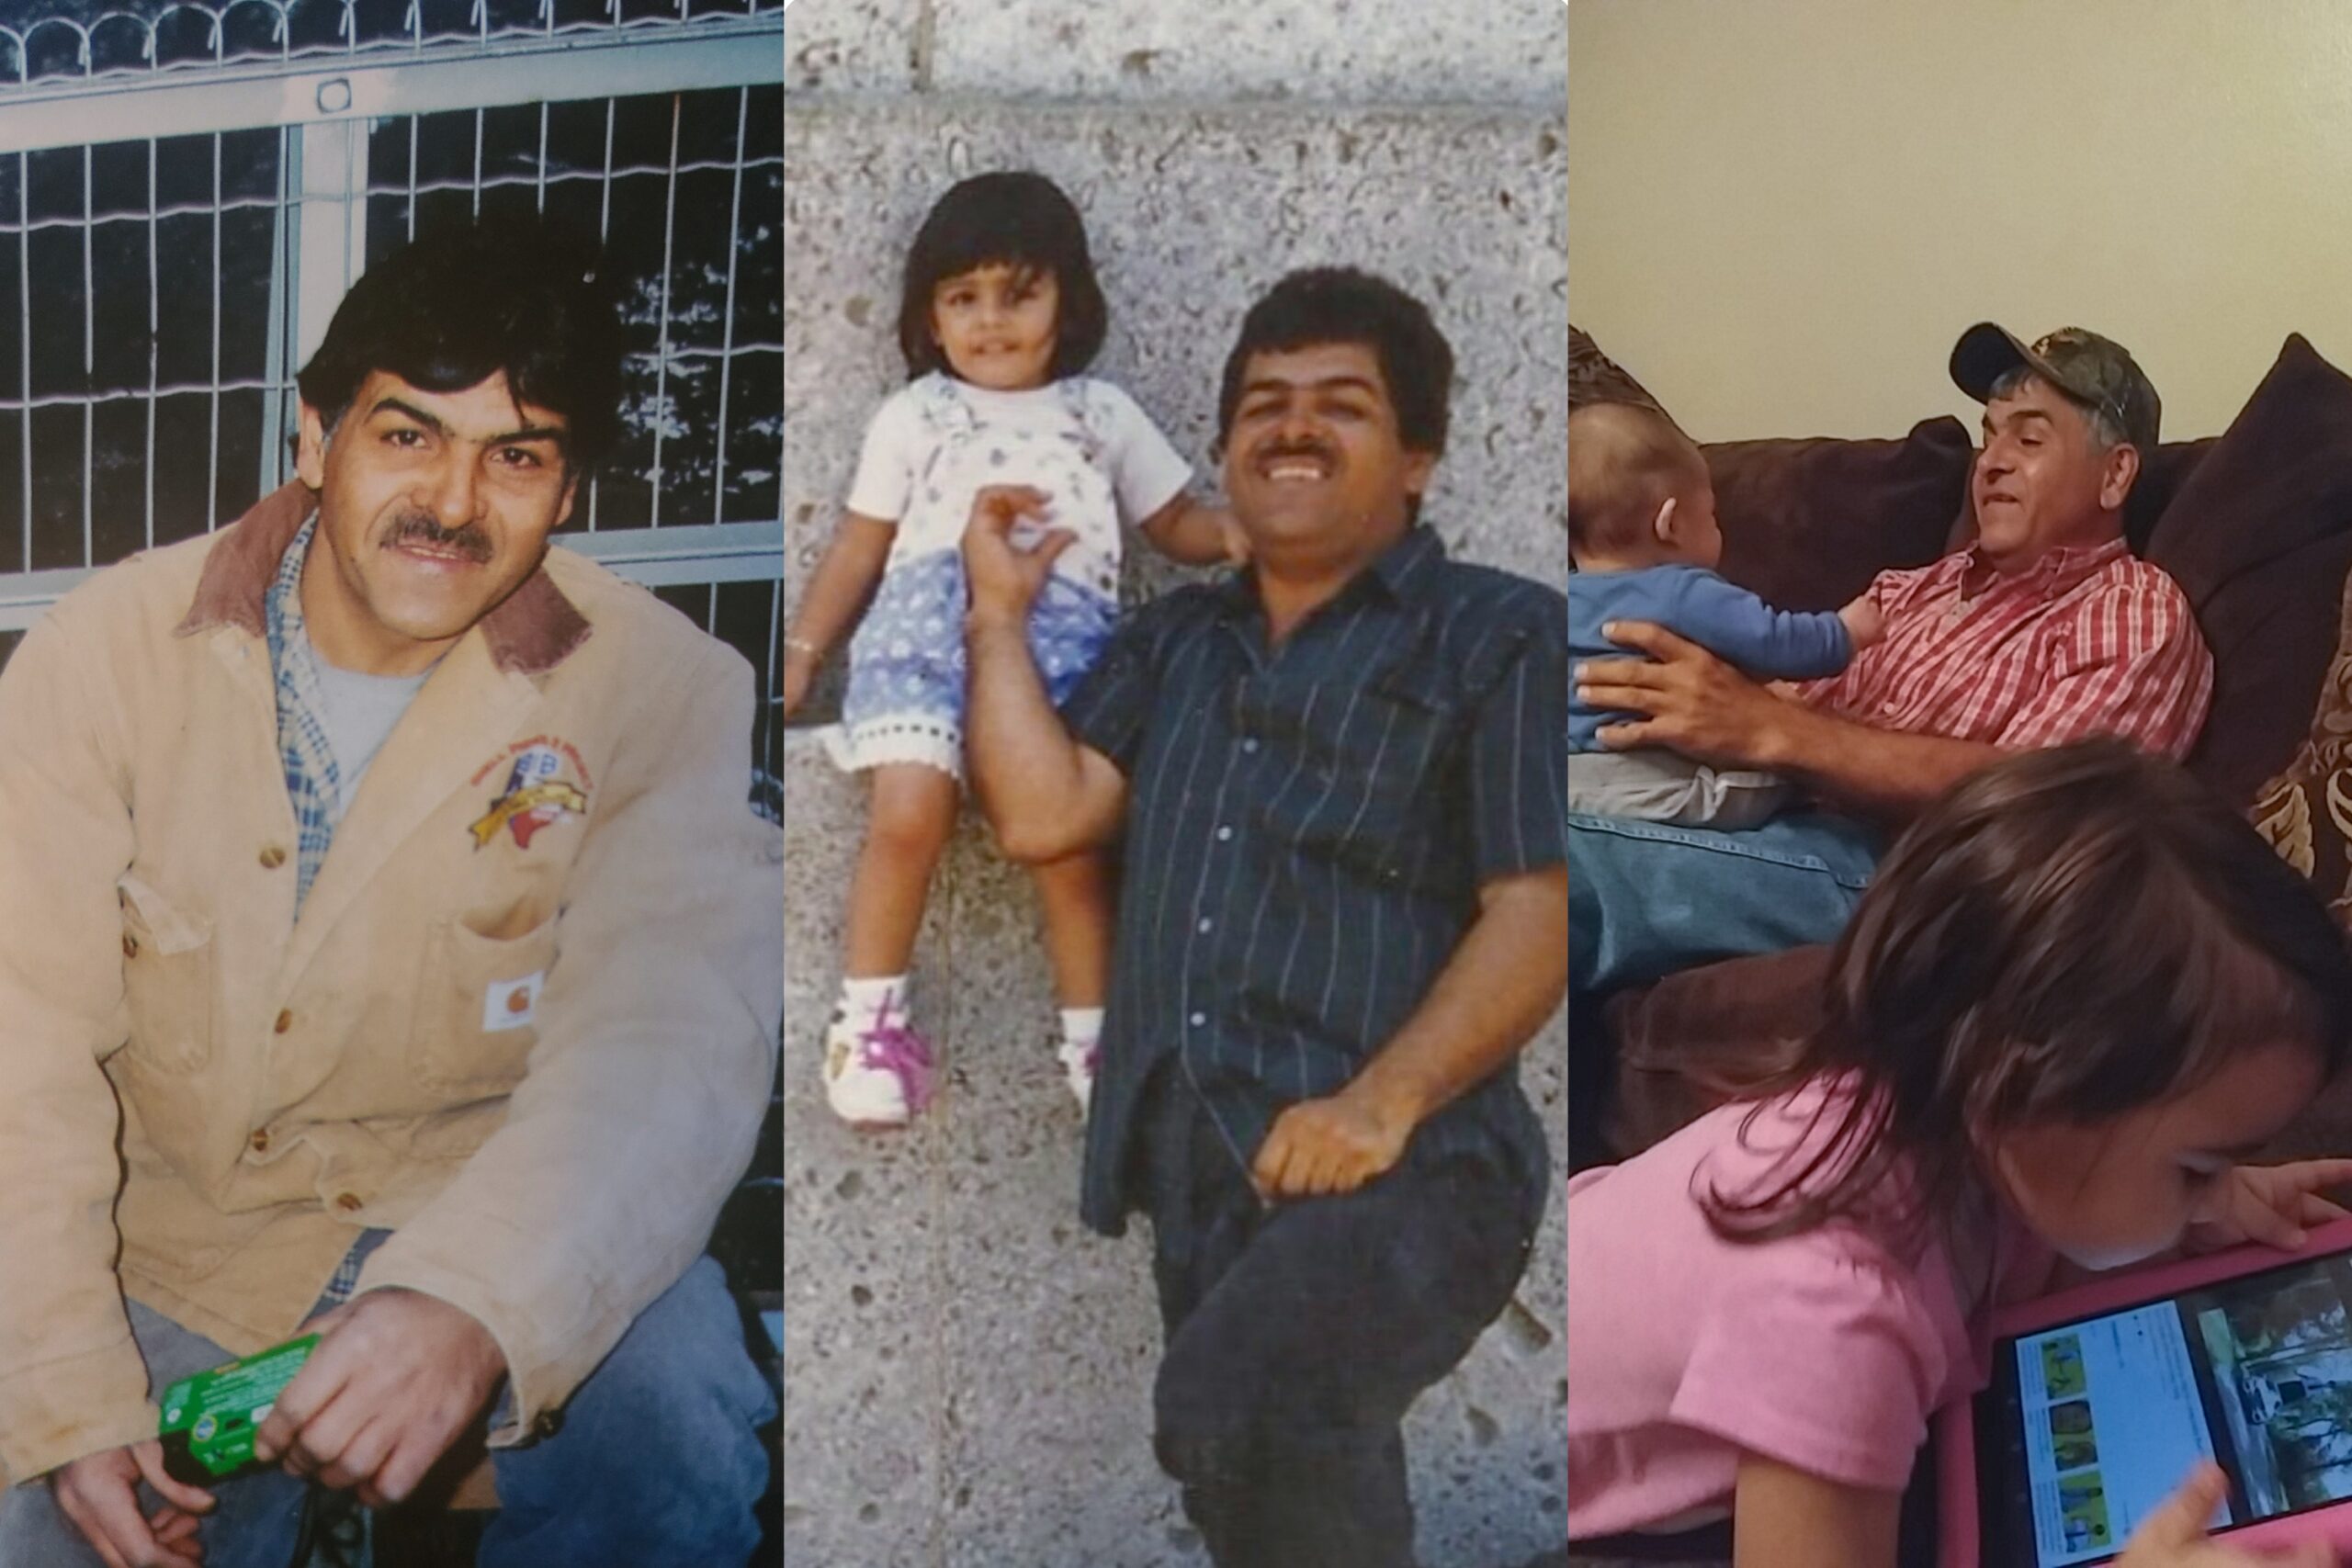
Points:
(1646, 898)
(659, 1462)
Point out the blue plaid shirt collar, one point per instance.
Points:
(313, 785)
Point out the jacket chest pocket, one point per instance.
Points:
(167, 979)
(478, 1007)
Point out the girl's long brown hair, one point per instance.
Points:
(2066, 936)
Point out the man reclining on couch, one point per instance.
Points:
(2045, 629)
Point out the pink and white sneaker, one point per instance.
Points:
(879, 1076)
(1080, 1059)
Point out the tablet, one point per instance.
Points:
(2103, 1397)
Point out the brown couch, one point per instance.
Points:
(2256, 527)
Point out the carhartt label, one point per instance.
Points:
(511, 1004)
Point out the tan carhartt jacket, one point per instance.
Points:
(526, 1019)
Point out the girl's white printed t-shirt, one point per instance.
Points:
(936, 441)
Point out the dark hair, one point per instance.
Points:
(1340, 304)
(1016, 219)
(2066, 936)
(522, 296)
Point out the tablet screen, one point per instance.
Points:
(2088, 1426)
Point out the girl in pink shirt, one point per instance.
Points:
(2078, 991)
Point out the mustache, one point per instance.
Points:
(1275, 452)
(420, 526)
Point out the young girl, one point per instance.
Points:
(2079, 989)
(1000, 313)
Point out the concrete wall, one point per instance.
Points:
(969, 1370)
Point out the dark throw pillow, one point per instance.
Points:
(1807, 523)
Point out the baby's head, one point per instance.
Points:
(1638, 492)
(1000, 290)
(2085, 983)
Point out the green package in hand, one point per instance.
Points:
(209, 1420)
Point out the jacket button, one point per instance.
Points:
(129, 945)
(284, 1020)
(272, 857)
(349, 1202)
(549, 1424)
(260, 1141)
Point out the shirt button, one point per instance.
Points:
(260, 1141)
(129, 945)
(549, 1424)
(272, 857)
(1198, 1019)
(1223, 834)
(349, 1202)
(284, 1020)
(1250, 744)
(1205, 923)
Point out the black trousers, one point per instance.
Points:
(1299, 1334)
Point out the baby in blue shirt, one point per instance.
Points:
(1643, 533)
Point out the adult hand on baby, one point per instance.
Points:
(1698, 705)
(2269, 1203)
(2174, 1536)
(1005, 578)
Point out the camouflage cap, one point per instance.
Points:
(2096, 371)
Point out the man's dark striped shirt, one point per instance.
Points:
(1307, 830)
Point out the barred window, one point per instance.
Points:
(157, 294)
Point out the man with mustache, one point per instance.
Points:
(2044, 629)
(388, 951)
(1339, 780)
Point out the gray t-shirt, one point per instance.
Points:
(359, 711)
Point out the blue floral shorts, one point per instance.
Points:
(906, 671)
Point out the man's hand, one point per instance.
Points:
(99, 1492)
(2273, 1204)
(396, 1377)
(1698, 705)
(1323, 1147)
(2174, 1536)
(1235, 541)
(1004, 578)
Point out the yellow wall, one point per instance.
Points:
(1782, 212)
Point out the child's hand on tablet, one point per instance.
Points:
(2174, 1536)
(2273, 1204)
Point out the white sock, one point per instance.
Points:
(1081, 1026)
(863, 1001)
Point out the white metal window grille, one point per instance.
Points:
(157, 294)
(82, 41)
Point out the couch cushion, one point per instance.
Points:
(1594, 378)
(1807, 523)
(2257, 538)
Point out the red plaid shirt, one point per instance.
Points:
(2086, 642)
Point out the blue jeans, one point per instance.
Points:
(1646, 898)
(658, 1463)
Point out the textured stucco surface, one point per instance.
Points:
(1497, 52)
(969, 1370)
